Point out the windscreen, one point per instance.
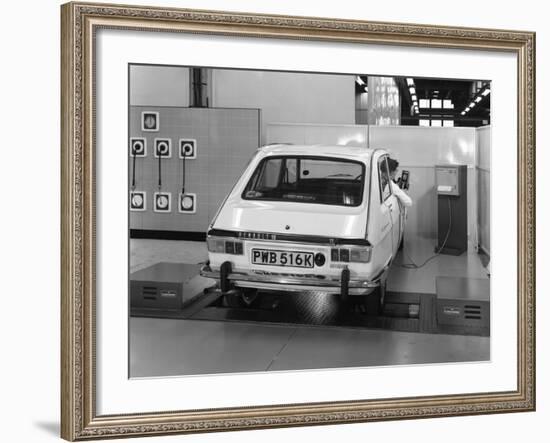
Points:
(320, 180)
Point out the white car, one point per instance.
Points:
(308, 218)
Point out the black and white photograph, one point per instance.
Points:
(275, 221)
(327, 221)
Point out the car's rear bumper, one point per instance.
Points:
(294, 282)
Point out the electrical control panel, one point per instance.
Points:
(447, 180)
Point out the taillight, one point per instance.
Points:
(351, 255)
(223, 246)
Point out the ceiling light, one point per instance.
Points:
(412, 90)
(478, 99)
(463, 113)
(410, 82)
(366, 88)
(486, 92)
(414, 97)
(360, 81)
(472, 104)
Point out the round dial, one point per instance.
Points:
(162, 202)
(137, 200)
(188, 149)
(138, 147)
(187, 202)
(150, 121)
(163, 148)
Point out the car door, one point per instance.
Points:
(382, 223)
(389, 207)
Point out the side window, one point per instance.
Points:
(270, 174)
(384, 179)
(290, 171)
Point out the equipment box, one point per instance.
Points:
(463, 302)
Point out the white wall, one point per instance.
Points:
(287, 97)
(159, 86)
(419, 149)
(281, 96)
(30, 379)
(483, 174)
(311, 134)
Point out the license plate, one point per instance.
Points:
(282, 258)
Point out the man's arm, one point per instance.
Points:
(401, 195)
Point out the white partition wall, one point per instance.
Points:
(286, 96)
(419, 150)
(313, 134)
(483, 166)
(159, 85)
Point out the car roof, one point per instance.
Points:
(359, 153)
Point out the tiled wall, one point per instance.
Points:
(226, 140)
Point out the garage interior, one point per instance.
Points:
(437, 307)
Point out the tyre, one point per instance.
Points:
(233, 299)
(374, 301)
(250, 296)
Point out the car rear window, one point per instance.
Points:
(320, 180)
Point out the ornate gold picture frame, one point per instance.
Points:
(80, 22)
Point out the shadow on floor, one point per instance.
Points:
(49, 427)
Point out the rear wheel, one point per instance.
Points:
(250, 296)
(241, 298)
(232, 298)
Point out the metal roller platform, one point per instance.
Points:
(197, 299)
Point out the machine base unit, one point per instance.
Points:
(452, 209)
(166, 286)
(449, 251)
(463, 302)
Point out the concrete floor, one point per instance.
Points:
(422, 280)
(164, 347)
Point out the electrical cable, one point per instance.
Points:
(412, 264)
(133, 168)
(160, 171)
(183, 173)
